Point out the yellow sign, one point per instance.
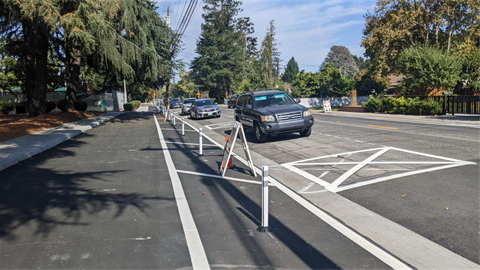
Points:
(198, 94)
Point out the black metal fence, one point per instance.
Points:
(455, 104)
(463, 104)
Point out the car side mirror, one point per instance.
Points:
(298, 100)
(216, 103)
(248, 107)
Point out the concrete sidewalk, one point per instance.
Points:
(22, 148)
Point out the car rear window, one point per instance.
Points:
(188, 100)
(204, 102)
(273, 100)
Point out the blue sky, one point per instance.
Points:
(304, 29)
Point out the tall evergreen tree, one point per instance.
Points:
(276, 60)
(343, 59)
(265, 63)
(220, 48)
(291, 71)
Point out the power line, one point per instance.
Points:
(185, 21)
(184, 5)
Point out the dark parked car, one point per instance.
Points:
(175, 103)
(272, 112)
(204, 107)
(232, 102)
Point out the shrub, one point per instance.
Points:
(128, 106)
(404, 105)
(50, 106)
(136, 103)
(373, 104)
(81, 106)
(6, 107)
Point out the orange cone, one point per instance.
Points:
(230, 163)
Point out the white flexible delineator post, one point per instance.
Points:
(183, 126)
(264, 226)
(174, 122)
(200, 144)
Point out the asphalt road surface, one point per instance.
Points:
(134, 193)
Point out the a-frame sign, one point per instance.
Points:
(227, 154)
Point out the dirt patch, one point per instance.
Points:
(17, 125)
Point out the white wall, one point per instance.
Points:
(334, 101)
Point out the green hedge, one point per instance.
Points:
(6, 107)
(132, 105)
(404, 105)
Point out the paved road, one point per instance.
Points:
(107, 199)
(134, 193)
(427, 169)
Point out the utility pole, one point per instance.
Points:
(167, 83)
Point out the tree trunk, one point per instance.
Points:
(167, 94)
(225, 87)
(29, 58)
(38, 105)
(72, 81)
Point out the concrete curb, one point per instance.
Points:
(19, 149)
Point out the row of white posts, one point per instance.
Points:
(264, 226)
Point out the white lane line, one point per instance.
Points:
(359, 166)
(306, 188)
(333, 155)
(386, 178)
(323, 174)
(194, 243)
(352, 235)
(220, 177)
(338, 162)
(190, 143)
(172, 129)
(308, 176)
(359, 141)
(373, 162)
(432, 156)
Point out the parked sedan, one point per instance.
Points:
(175, 103)
(187, 103)
(202, 108)
(232, 102)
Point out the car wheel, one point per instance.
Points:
(306, 132)
(228, 105)
(259, 135)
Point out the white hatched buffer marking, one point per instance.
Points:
(336, 186)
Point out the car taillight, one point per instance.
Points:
(235, 100)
